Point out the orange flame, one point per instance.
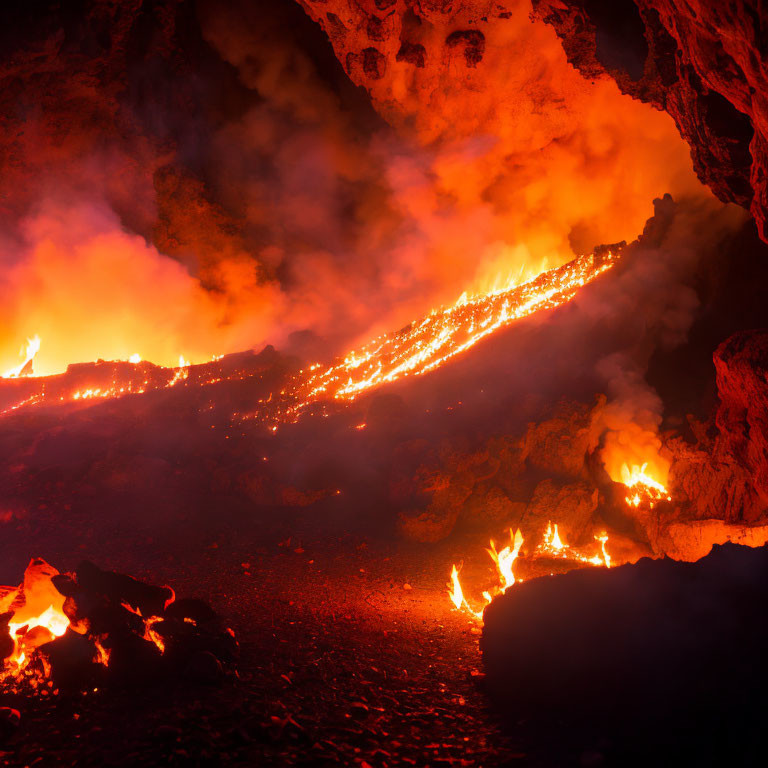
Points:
(643, 488)
(29, 351)
(38, 615)
(551, 546)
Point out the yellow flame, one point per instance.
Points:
(505, 559)
(551, 546)
(646, 489)
(29, 351)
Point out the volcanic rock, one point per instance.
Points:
(572, 506)
(692, 540)
(726, 477)
(704, 63)
(436, 522)
(559, 445)
(741, 364)
(647, 651)
(489, 508)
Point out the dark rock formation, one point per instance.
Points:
(726, 476)
(705, 63)
(511, 481)
(741, 364)
(639, 661)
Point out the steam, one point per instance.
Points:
(300, 208)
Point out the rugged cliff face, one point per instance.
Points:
(705, 63)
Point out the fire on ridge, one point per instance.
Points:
(422, 346)
(425, 345)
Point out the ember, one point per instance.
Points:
(96, 627)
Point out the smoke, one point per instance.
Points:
(241, 188)
(655, 303)
(91, 290)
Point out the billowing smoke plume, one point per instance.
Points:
(208, 179)
(655, 305)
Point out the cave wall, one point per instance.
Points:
(705, 63)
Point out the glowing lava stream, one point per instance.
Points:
(418, 348)
(552, 546)
(425, 345)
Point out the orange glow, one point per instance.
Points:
(38, 615)
(504, 560)
(643, 489)
(29, 351)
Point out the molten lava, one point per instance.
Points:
(420, 347)
(643, 489)
(552, 546)
(425, 345)
(37, 616)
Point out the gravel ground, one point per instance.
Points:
(350, 653)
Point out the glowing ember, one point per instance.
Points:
(37, 616)
(504, 559)
(135, 358)
(643, 489)
(29, 351)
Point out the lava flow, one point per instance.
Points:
(551, 546)
(425, 345)
(420, 347)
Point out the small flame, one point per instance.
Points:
(505, 559)
(29, 351)
(552, 545)
(603, 539)
(456, 593)
(646, 489)
(135, 358)
(38, 615)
